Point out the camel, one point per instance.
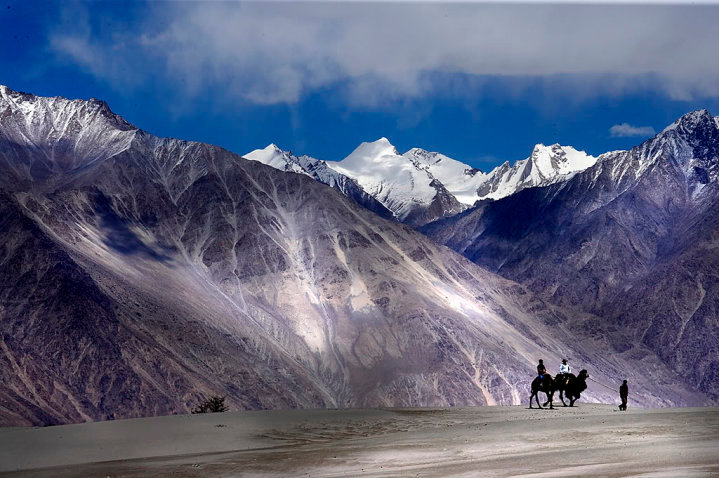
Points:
(570, 386)
(546, 385)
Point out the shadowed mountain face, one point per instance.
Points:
(138, 274)
(632, 240)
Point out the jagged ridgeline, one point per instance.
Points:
(140, 274)
(632, 240)
(419, 186)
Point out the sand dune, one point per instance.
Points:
(588, 440)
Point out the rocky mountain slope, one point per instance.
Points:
(631, 239)
(319, 171)
(421, 186)
(138, 274)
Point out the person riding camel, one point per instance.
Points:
(541, 369)
(564, 372)
(565, 368)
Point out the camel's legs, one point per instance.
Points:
(535, 395)
(550, 400)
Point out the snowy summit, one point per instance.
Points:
(420, 186)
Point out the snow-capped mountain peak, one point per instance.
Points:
(692, 141)
(84, 132)
(273, 156)
(546, 165)
(421, 180)
(369, 154)
(318, 170)
(696, 129)
(696, 117)
(555, 159)
(689, 122)
(389, 177)
(58, 109)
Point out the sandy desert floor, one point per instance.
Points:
(588, 440)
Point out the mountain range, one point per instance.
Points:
(632, 239)
(627, 236)
(419, 186)
(140, 274)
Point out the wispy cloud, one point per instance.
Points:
(625, 130)
(277, 52)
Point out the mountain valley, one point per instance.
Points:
(140, 274)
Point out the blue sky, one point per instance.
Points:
(479, 82)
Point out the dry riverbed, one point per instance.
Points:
(588, 440)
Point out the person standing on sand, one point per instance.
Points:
(623, 394)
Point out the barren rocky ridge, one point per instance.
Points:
(632, 240)
(141, 273)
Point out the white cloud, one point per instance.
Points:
(277, 52)
(625, 130)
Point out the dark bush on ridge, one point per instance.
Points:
(213, 404)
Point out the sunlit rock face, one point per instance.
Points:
(138, 274)
(631, 239)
